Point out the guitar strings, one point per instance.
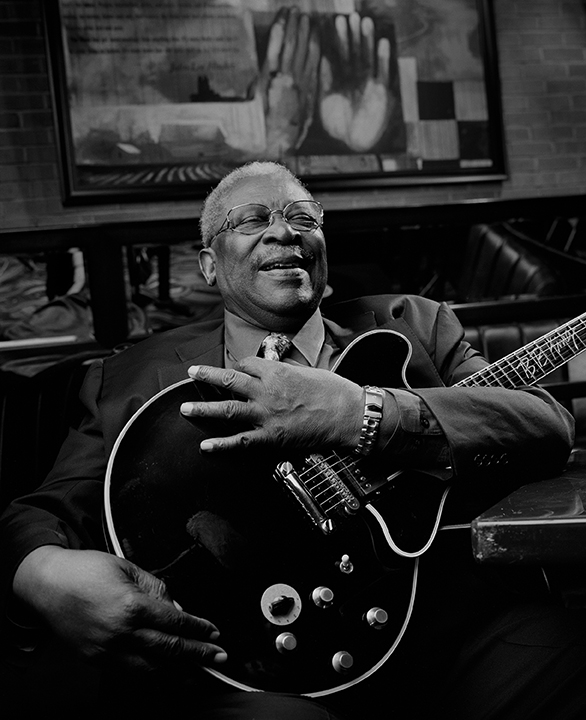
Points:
(565, 352)
(315, 472)
(544, 362)
(539, 353)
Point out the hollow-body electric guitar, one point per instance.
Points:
(306, 565)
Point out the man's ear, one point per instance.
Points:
(207, 265)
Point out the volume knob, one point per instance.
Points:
(322, 596)
(377, 618)
(285, 642)
(342, 661)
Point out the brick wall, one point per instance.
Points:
(542, 53)
(542, 57)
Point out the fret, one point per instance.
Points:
(507, 374)
(491, 376)
(534, 361)
(521, 379)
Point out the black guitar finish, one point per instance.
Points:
(298, 611)
(303, 606)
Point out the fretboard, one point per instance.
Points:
(529, 364)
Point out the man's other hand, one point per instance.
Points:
(112, 612)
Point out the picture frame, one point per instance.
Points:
(159, 99)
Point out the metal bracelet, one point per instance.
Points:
(373, 413)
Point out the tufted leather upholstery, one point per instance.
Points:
(496, 265)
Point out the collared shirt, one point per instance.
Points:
(309, 344)
(408, 428)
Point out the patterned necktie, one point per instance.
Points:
(275, 346)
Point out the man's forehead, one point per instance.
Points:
(267, 189)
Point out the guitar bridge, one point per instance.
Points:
(321, 493)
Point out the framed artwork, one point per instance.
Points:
(160, 98)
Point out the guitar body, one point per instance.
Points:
(288, 556)
(298, 610)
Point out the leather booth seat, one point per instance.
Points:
(495, 265)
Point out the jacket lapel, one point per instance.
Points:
(206, 349)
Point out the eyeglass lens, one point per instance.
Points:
(304, 215)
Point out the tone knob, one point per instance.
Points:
(285, 642)
(342, 661)
(377, 618)
(322, 596)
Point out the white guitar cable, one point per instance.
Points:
(394, 547)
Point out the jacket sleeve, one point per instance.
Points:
(490, 431)
(67, 508)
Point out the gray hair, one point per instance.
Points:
(213, 206)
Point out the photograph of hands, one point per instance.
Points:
(177, 93)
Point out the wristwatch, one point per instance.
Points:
(373, 413)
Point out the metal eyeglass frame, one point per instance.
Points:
(226, 224)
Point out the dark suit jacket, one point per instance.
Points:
(491, 431)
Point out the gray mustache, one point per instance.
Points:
(293, 253)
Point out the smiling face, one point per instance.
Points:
(275, 278)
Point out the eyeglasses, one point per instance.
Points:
(252, 218)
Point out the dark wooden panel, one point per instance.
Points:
(347, 222)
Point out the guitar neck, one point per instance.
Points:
(529, 364)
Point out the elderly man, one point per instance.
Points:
(265, 249)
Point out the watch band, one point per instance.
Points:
(373, 413)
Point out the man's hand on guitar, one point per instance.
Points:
(284, 405)
(112, 612)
